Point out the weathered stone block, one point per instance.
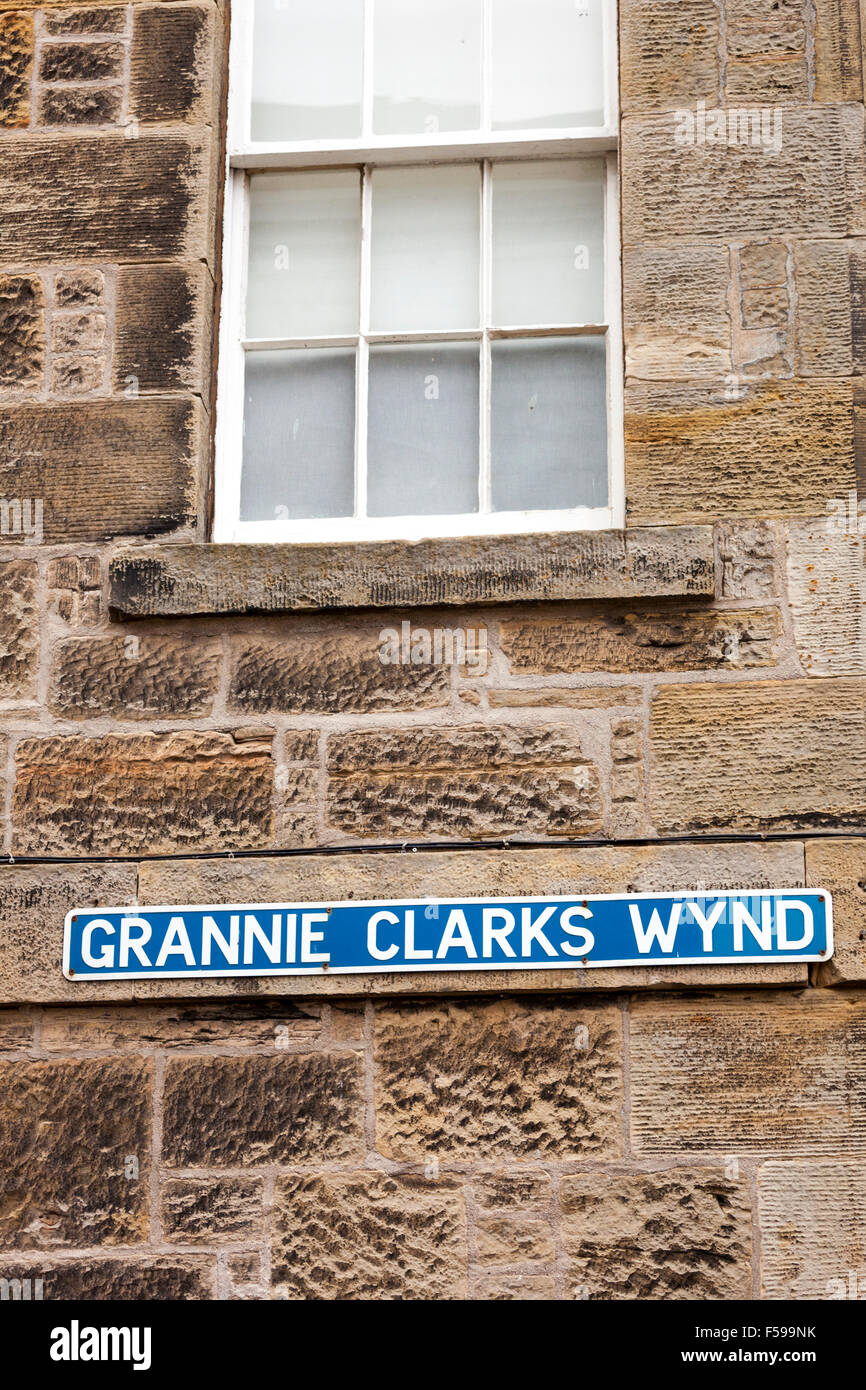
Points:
(566, 697)
(19, 629)
(80, 62)
(782, 77)
(16, 68)
(839, 865)
(16, 1030)
(744, 1075)
(76, 289)
(90, 19)
(369, 1236)
(838, 50)
(78, 332)
(158, 676)
(473, 781)
(173, 73)
(775, 449)
(827, 593)
(22, 330)
(247, 1022)
(675, 304)
(328, 672)
(757, 28)
(68, 1130)
(512, 1240)
(77, 376)
(145, 1279)
(813, 1230)
(680, 1234)
(106, 468)
(512, 1191)
(810, 187)
(500, 1079)
(763, 755)
(824, 343)
(242, 1111)
(748, 552)
(34, 901)
(163, 330)
(667, 54)
(763, 264)
(98, 197)
(208, 1209)
(115, 793)
(643, 641)
(274, 578)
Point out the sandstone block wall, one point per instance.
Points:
(698, 721)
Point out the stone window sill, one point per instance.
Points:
(195, 580)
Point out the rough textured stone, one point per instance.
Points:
(259, 1023)
(473, 781)
(163, 329)
(34, 901)
(838, 51)
(16, 68)
(779, 449)
(827, 593)
(328, 672)
(655, 641)
(824, 336)
(652, 868)
(77, 376)
(566, 697)
(509, 1191)
(91, 19)
(667, 54)
(676, 320)
(22, 330)
(80, 106)
(173, 74)
(16, 1030)
(105, 469)
(811, 187)
(763, 755)
(267, 578)
(135, 677)
(78, 332)
(19, 629)
(242, 1111)
(115, 793)
(369, 1236)
(744, 1075)
(499, 1079)
(510, 1240)
(813, 1230)
(76, 289)
(680, 1234)
(747, 551)
(839, 865)
(68, 1129)
(206, 1209)
(781, 78)
(146, 1279)
(103, 197)
(80, 62)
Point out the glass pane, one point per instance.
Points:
(427, 66)
(425, 248)
(422, 450)
(548, 242)
(305, 238)
(307, 67)
(299, 434)
(549, 426)
(548, 64)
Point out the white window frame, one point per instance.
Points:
(366, 153)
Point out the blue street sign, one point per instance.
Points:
(354, 938)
